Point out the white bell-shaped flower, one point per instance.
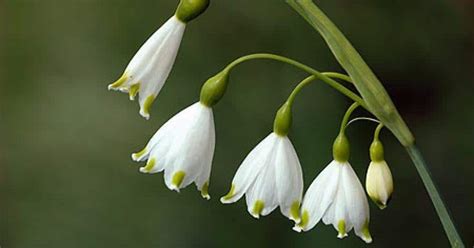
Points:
(149, 68)
(379, 181)
(183, 147)
(270, 176)
(337, 197)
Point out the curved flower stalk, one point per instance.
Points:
(148, 70)
(379, 181)
(183, 148)
(270, 175)
(337, 197)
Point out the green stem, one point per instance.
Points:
(377, 99)
(337, 75)
(347, 92)
(377, 131)
(347, 115)
(310, 79)
(299, 87)
(368, 85)
(438, 203)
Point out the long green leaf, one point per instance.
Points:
(364, 79)
(378, 101)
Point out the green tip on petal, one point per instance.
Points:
(303, 222)
(137, 155)
(229, 195)
(133, 91)
(178, 178)
(145, 112)
(379, 203)
(257, 208)
(205, 191)
(341, 227)
(366, 233)
(149, 165)
(119, 82)
(295, 211)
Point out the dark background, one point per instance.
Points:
(65, 141)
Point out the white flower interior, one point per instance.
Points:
(183, 147)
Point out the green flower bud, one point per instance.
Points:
(214, 88)
(282, 123)
(341, 148)
(189, 9)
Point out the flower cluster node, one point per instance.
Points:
(190, 9)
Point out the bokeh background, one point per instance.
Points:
(66, 175)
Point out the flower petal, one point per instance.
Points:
(154, 75)
(189, 151)
(166, 132)
(289, 179)
(248, 171)
(379, 183)
(356, 199)
(319, 196)
(262, 197)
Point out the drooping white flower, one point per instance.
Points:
(149, 68)
(183, 147)
(379, 183)
(270, 176)
(337, 197)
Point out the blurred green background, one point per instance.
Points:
(65, 170)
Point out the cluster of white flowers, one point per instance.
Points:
(271, 175)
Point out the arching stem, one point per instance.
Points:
(326, 79)
(347, 115)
